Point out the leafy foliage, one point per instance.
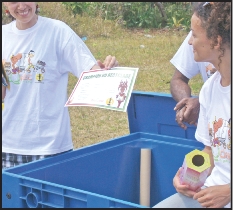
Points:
(136, 14)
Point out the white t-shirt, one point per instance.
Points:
(184, 61)
(214, 128)
(38, 61)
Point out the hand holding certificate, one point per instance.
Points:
(109, 89)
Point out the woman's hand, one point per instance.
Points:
(109, 62)
(214, 197)
(182, 188)
(187, 110)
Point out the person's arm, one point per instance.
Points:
(182, 188)
(4, 84)
(215, 196)
(187, 108)
(179, 86)
(3, 92)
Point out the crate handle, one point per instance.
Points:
(32, 199)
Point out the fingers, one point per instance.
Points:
(176, 179)
(179, 118)
(192, 123)
(180, 104)
(100, 64)
(182, 188)
(109, 62)
(198, 195)
(201, 198)
(187, 112)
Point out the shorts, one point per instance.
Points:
(10, 160)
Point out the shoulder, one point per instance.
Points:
(212, 79)
(7, 27)
(54, 24)
(208, 85)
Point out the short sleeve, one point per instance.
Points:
(76, 57)
(183, 59)
(202, 132)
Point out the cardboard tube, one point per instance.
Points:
(145, 171)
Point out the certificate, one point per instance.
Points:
(108, 89)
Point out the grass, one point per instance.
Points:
(93, 125)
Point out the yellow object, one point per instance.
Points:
(2, 106)
(195, 169)
(197, 160)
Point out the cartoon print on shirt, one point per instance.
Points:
(210, 133)
(40, 70)
(14, 62)
(15, 77)
(22, 65)
(21, 68)
(7, 67)
(223, 134)
(210, 70)
(30, 65)
(220, 139)
(216, 126)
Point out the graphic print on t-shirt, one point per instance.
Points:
(220, 138)
(22, 67)
(210, 70)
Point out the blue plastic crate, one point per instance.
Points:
(107, 174)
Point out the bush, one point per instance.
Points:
(137, 14)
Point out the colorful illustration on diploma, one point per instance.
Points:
(121, 96)
(109, 101)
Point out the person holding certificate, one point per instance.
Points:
(38, 54)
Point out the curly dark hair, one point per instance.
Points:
(216, 20)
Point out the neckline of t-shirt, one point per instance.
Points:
(28, 30)
(223, 89)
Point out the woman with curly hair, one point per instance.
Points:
(211, 41)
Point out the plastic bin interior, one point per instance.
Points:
(107, 174)
(152, 112)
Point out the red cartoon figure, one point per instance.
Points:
(14, 60)
(121, 95)
(217, 125)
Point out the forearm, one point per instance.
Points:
(3, 92)
(180, 90)
(179, 87)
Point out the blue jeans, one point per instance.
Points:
(178, 201)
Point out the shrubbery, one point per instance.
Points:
(137, 14)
